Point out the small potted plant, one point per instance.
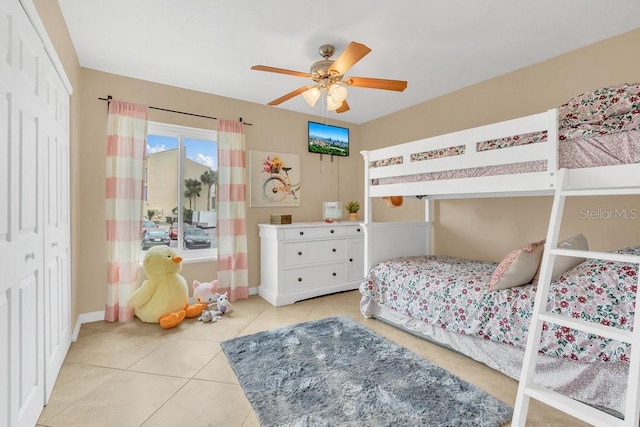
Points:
(352, 207)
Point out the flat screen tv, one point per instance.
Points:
(327, 139)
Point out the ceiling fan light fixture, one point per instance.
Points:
(311, 96)
(331, 104)
(338, 93)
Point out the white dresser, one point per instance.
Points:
(308, 259)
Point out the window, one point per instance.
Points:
(181, 173)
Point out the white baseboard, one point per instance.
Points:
(95, 316)
(253, 291)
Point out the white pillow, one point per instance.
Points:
(518, 267)
(563, 264)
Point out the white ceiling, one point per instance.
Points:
(438, 46)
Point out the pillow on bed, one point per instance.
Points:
(518, 267)
(563, 264)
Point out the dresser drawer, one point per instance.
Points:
(300, 253)
(313, 233)
(353, 231)
(313, 277)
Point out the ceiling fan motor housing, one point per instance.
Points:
(320, 69)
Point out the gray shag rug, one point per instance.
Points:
(337, 372)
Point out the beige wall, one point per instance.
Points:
(484, 229)
(489, 228)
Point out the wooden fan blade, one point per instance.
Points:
(344, 107)
(352, 54)
(397, 85)
(289, 95)
(280, 71)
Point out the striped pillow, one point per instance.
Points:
(518, 267)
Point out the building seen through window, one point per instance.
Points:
(181, 176)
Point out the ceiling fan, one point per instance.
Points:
(328, 76)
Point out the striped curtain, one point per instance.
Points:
(126, 135)
(233, 273)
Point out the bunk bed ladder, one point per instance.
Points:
(527, 388)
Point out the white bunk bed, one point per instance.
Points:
(531, 152)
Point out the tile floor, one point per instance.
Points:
(138, 374)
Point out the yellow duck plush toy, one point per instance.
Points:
(164, 297)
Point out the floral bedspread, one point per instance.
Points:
(602, 111)
(453, 294)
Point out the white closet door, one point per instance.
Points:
(21, 225)
(57, 298)
(6, 254)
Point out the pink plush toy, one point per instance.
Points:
(206, 293)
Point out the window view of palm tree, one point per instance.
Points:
(181, 173)
(192, 190)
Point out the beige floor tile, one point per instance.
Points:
(73, 383)
(556, 418)
(205, 404)
(251, 421)
(178, 357)
(218, 369)
(126, 400)
(228, 326)
(113, 349)
(274, 318)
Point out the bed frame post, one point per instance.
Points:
(367, 215)
(367, 199)
(428, 218)
(552, 147)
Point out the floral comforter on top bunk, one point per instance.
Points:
(596, 128)
(453, 294)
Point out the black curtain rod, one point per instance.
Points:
(109, 98)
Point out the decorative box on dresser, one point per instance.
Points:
(307, 259)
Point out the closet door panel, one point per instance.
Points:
(30, 53)
(7, 132)
(6, 166)
(26, 227)
(28, 239)
(6, 46)
(5, 341)
(27, 380)
(56, 228)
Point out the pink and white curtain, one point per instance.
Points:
(126, 136)
(233, 273)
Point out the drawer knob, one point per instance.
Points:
(302, 233)
(331, 231)
(299, 279)
(334, 249)
(350, 259)
(299, 253)
(335, 274)
(358, 230)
